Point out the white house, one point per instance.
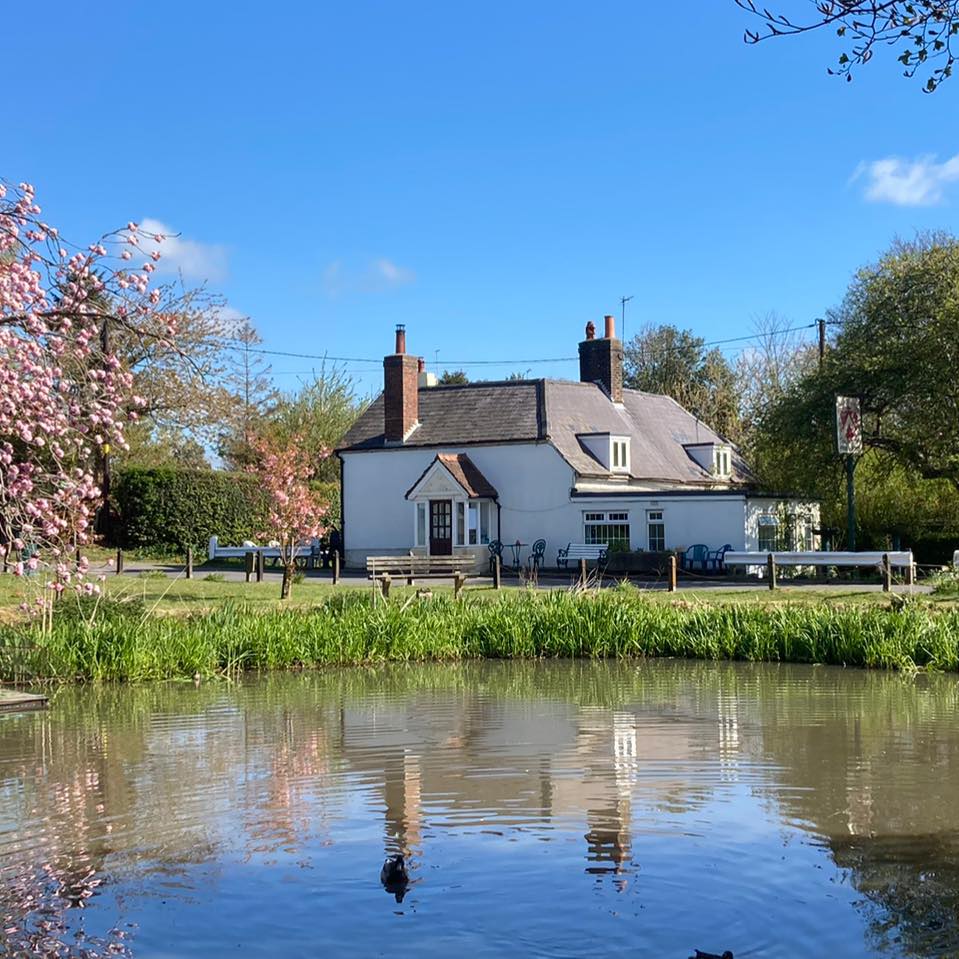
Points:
(448, 469)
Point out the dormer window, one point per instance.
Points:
(619, 454)
(722, 461)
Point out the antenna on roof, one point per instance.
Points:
(623, 301)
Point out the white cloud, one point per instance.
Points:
(374, 276)
(197, 261)
(916, 182)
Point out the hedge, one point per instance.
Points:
(168, 509)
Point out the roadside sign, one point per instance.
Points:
(848, 425)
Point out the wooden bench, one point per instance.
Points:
(382, 569)
(575, 552)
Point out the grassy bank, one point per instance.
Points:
(125, 641)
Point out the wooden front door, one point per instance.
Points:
(441, 527)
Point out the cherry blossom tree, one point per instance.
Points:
(65, 398)
(296, 512)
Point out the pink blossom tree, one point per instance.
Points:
(64, 396)
(295, 510)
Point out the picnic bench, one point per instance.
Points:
(382, 569)
(574, 552)
(308, 553)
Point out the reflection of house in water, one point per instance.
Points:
(500, 764)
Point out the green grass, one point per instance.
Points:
(128, 640)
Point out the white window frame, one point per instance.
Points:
(722, 461)
(607, 518)
(767, 521)
(655, 517)
(619, 454)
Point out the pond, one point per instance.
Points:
(545, 809)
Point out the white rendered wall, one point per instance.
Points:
(756, 507)
(532, 479)
(533, 482)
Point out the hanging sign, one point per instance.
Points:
(848, 425)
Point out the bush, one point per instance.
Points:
(169, 509)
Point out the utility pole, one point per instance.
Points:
(821, 323)
(851, 502)
(623, 300)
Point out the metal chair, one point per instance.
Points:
(696, 554)
(495, 551)
(537, 554)
(716, 557)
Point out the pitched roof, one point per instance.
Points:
(465, 472)
(558, 411)
(658, 428)
(462, 414)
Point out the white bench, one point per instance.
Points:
(574, 552)
(306, 552)
(901, 559)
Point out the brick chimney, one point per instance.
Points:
(601, 361)
(400, 397)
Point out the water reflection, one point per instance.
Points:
(659, 806)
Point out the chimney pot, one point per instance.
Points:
(590, 330)
(400, 338)
(610, 327)
(421, 365)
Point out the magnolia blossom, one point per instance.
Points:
(296, 512)
(63, 400)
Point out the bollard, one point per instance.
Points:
(189, 562)
(771, 570)
(911, 575)
(459, 581)
(259, 566)
(886, 573)
(582, 573)
(672, 574)
(248, 561)
(385, 582)
(119, 561)
(497, 573)
(336, 566)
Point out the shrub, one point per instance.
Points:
(169, 509)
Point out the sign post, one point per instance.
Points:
(849, 444)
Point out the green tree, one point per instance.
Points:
(664, 359)
(896, 347)
(924, 30)
(453, 378)
(319, 415)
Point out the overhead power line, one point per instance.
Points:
(451, 364)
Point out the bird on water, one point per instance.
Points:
(394, 876)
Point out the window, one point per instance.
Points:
(722, 461)
(609, 528)
(620, 455)
(768, 534)
(420, 524)
(460, 524)
(478, 522)
(656, 530)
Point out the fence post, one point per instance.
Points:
(459, 581)
(248, 561)
(385, 582)
(189, 562)
(886, 573)
(259, 566)
(771, 570)
(119, 561)
(497, 573)
(911, 575)
(672, 574)
(582, 573)
(336, 566)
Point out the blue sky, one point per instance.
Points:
(491, 175)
